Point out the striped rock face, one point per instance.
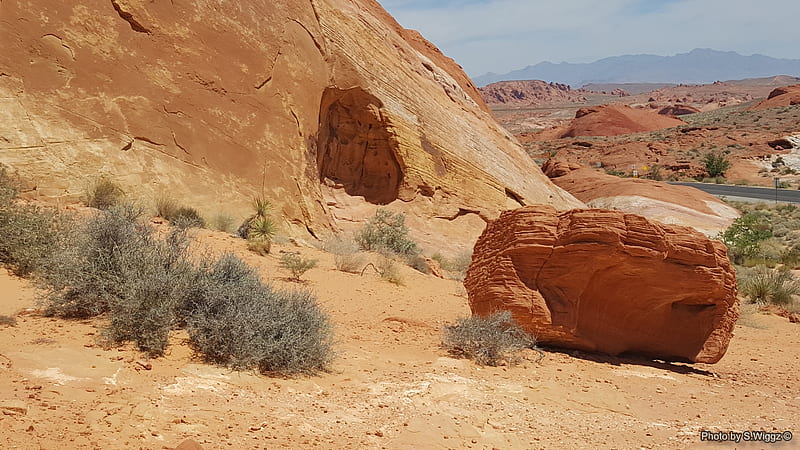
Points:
(326, 106)
(608, 282)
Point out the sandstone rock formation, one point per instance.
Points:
(606, 281)
(782, 96)
(662, 202)
(678, 110)
(326, 106)
(530, 93)
(614, 120)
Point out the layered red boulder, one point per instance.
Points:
(782, 96)
(614, 120)
(609, 282)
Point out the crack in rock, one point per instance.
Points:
(128, 17)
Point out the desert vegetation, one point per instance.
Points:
(142, 284)
(103, 194)
(178, 215)
(764, 244)
(491, 340)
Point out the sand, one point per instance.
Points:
(391, 385)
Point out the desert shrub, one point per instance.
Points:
(259, 246)
(8, 321)
(223, 222)
(242, 323)
(716, 164)
(119, 266)
(28, 236)
(655, 173)
(457, 265)
(765, 285)
(104, 194)
(386, 231)
(8, 186)
(487, 340)
(744, 235)
(296, 264)
(186, 217)
(148, 285)
(790, 257)
(346, 254)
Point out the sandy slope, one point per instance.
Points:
(391, 385)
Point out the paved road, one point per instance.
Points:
(759, 193)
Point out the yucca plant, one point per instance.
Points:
(262, 206)
(262, 228)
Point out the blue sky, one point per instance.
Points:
(502, 35)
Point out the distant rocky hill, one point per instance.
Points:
(535, 92)
(697, 66)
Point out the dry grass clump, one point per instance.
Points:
(346, 254)
(456, 266)
(103, 194)
(763, 285)
(487, 340)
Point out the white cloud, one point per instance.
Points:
(501, 35)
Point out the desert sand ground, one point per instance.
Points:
(391, 385)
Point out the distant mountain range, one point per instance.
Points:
(697, 66)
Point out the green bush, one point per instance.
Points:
(243, 323)
(487, 340)
(386, 231)
(744, 235)
(8, 186)
(296, 264)
(178, 216)
(770, 286)
(716, 164)
(104, 194)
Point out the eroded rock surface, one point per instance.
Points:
(655, 200)
(606, 281)
(216, 101)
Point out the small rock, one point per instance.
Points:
(189, 444)
(143, 365)
(13, 407)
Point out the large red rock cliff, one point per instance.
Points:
(328, 106)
